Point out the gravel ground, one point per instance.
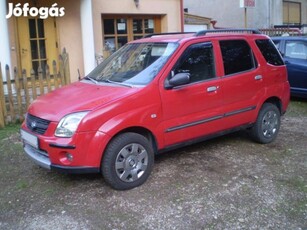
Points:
(225, 183)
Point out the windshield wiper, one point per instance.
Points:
(91, 79)
(117, 83)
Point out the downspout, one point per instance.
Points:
(181, 16)
(5, 57)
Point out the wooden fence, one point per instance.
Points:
(18, 90)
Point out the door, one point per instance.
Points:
(194, 109)
(296, 60)
(243, 83)
(37, 42)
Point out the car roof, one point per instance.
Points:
(291, 38)
(178, 37)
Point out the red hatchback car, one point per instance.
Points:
(155, 94)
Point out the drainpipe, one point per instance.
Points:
(87, 36)
(181, 16)
(5, 55)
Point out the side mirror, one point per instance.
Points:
(178, 80)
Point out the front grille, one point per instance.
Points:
(36, 124)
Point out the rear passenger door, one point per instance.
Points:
(242, 83)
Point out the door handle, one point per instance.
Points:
(258, 77)
(212, 89)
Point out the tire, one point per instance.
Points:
(127, 161)
(267, 125)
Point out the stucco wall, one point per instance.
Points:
(68, 33)
(169, 8)
(69, 30)
(304, 10)
(229, 14)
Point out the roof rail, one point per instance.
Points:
(171, 33)
(204, 32)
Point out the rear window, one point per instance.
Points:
(269, 52)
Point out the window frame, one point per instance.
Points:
(185, 54)
(287, 19)
(129, 35)
(268, 58)
(252, 55)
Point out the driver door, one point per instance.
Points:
(194, 109)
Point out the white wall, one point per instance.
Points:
(194, 28)
(87, 36)
(229, 14)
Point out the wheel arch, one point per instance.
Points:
(146, 133)
(142, 131)
(275, 101)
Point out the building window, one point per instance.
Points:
(38, 43)
(117, 31)
(291, 13)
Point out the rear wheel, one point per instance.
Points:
(266, 128)
(127, 161)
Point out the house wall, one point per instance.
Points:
(304, 10)
(68, 33)
(70, 36)
(69, 27)
(229, 14)
(171, 21)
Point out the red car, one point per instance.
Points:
(156, 94)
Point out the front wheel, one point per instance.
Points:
(127, 161)
(266, 128)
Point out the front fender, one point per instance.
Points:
(147, 117)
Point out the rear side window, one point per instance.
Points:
(269, 52)
(237, 56)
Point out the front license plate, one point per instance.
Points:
(29, 138)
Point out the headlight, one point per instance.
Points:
(69, 124)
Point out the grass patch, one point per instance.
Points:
(295, 183)
(21, 184)
(297, 107)
(9, 130)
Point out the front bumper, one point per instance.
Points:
(49, 152)
(40, 158)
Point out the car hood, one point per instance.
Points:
(76, 97)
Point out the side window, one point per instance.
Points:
(198, 61)
(237, 56)
(296, 49)
(269, 52)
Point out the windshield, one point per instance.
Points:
(133, 64)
